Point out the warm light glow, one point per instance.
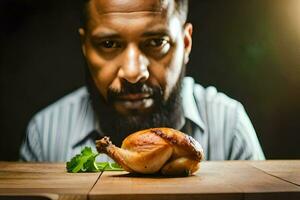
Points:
(293, 13)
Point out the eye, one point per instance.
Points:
(157, 42)
(157, 47)
(108, 44)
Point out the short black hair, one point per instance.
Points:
(181, 8)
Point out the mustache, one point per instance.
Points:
(134, 88)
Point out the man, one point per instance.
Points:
(136, 53)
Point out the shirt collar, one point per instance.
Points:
(190, 107)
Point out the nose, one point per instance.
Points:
(134, 66)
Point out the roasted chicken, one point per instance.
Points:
(155, 150)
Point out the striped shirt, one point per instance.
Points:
(219, 123)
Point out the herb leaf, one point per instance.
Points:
(108, 166)
(85, 162)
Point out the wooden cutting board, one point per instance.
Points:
(215, 180)
(43, 181)
(288, 170)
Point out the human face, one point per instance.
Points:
(133, 42)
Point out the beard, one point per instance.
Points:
(165, 113)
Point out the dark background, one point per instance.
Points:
(249, 50)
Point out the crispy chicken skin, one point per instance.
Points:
(155, 150)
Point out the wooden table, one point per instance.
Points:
(215, 180)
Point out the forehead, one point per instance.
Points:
(119, 15)
(115, 6)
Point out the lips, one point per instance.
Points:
(134, 97)
(136, 101)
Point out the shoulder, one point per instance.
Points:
(219, 112)
(227, 123)
(53, 125)
(210, 98)
(62, 108)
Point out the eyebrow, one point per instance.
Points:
(106, 35)
(156, 32)
(148, 33)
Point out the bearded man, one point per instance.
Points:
(136, 53)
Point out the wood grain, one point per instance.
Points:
(215, 180)
(43, 181)
(288, 170)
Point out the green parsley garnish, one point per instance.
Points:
(85, 162)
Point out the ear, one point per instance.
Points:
(82, 38)
(188, 31)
